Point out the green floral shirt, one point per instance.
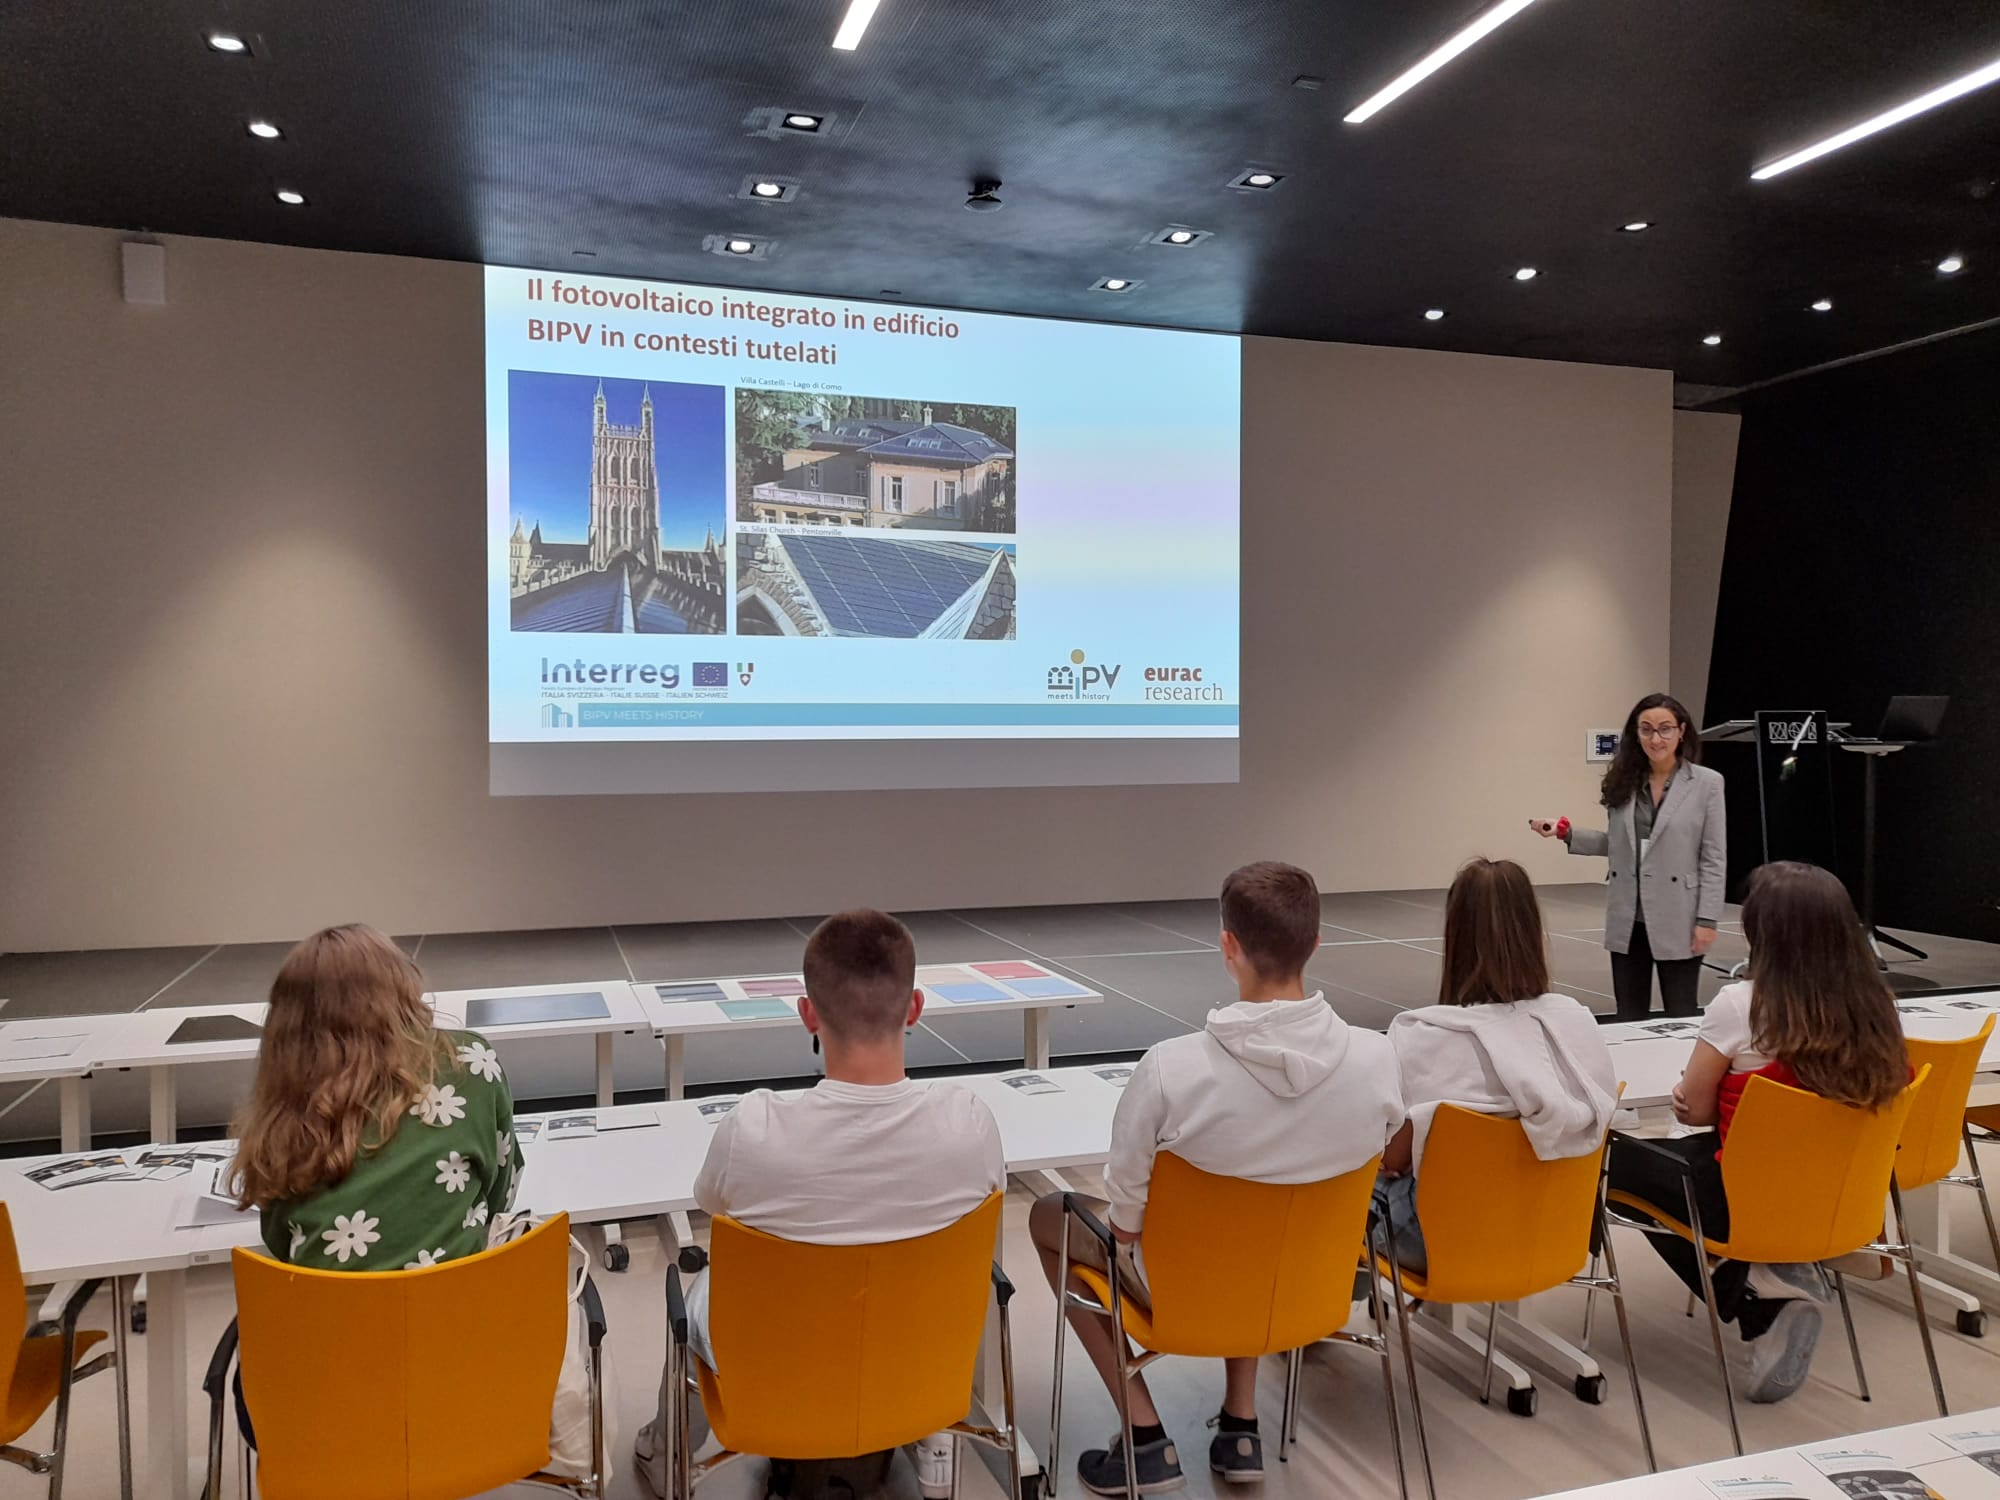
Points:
(425, 1197)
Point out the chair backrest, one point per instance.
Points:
(1499, 1223)
(1239, 1268)
(831, 1351)
(431, 1384)
(1806, 1176)
(1932, 1134)
(13, 1312)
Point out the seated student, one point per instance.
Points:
(866, 1156)
(1815, 1013)
(1275, 1088)
(1496, 1042)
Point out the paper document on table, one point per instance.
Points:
(571, 1127)
(1980, 1444)
(1878, 1473)
(1755, 1487)
(1116, 1077)
(712, 1110)
(74, 1171)
(215, 1206)
(32, 1048)
(627, 1117)
(1031, 1083)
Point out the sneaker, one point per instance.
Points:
(1237, 1456)
(1785, 1279)
(932, 1456)
(1158, 1468)
(1781, 1357)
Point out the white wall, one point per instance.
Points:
(244, 671)
(1704, 480)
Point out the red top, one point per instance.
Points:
(1734, 1084)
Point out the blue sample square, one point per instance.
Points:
(1046, 989)
(959, 994)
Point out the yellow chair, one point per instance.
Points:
(1501, 1225)
(1940, 1124)
(39, 1368)
(431, 1384)
(1234, 1270)
(1805, 1178)
(834, 1351)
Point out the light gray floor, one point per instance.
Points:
(1156, 963)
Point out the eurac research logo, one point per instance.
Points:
(1078, 678)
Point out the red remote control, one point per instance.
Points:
(1562, 828)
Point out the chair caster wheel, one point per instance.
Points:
(693, 1258)
(617, 1257)
(1521, 1402)
(1972, 1322)
(1592, 1389)
(138, 1317)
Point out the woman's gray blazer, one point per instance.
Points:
(1687, 861)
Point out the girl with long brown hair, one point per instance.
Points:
(373, 1140)
(1496, 1041)
(1815, 1014)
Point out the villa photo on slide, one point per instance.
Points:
(876, 462)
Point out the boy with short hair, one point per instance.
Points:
(1275, 1088)
(866, 1156)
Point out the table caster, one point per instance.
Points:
(1972, 1322)
(1592, 1389)
(1521, 1401)
(617, 1257)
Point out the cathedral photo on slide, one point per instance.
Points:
(618, 499)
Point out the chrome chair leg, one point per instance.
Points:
(1052, 1469)
(1007, 1400)
(1909, 1259)
(1979, 1187)
(1853, 1342)
(1123, 1359)
(1381, 1318)
(1714, 1315)
(1486, 1374)
(1625, 1333)
(1410, 1365)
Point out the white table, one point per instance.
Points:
(124, 1230)
(677, 1012)
(141, 1043)
(625, 1017)
(1921, 1448)
(29, 1054)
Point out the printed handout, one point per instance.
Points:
(74, 1171)
(1116, 1077)
(1030, 1083)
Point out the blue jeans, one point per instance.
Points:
(1393, 1215)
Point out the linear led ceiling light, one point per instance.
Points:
(1944, 95)
(859, 14)
(1487, 24)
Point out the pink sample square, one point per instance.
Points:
(1011, 971)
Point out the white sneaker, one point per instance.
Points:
(932, 1456)
(1781, 1357)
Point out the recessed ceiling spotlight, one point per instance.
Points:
(739, 247)
(1180, 236)
(1526, 273)
(1637, 226)
(286, 195)
(264, 130)
(1433, 314)
(1825, 304)
(859, 14)
(799, 120)
(1712, 340)
(760, 189)
(1488, 23)
(1944, 94)
(226, 41)
(1259, 179)
(1951, 265)
(1116, 284)
(766, 190)
(1255, 179)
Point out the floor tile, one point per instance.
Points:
(1398, 974)
(713, 950)
(944, 937)
(1379, 916)
(91, 982)
(1186, 986)
(1067, 931)
(1197, 921)
(237, 974)
(553, 955)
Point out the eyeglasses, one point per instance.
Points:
(1659, 732)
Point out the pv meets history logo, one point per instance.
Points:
(1079, 679)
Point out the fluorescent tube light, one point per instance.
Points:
(1950, 91)
(859, 14)
(1488, 23)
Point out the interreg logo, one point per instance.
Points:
(1080, 679)
(620, 674)
(555, 716)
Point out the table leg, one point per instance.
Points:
(166, 1467)
(164, 1105)
(1035, 1037)
(676, 1066)
(121, 1342)
(75, 1096)
(605, 1080)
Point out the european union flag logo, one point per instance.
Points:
(711, 674)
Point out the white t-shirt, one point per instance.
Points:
(1725, 1026)
(851, 1163)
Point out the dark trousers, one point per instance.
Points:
(1632, 979)
(1637, 1170)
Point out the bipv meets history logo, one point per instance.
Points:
(1080, 679)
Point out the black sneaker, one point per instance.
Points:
(1237, 1456)
(1103, 1470)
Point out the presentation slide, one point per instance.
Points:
(752, 541)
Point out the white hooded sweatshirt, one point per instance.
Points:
(1270, 1090)
(1542, 1060)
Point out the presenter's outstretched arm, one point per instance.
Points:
(1579, 840)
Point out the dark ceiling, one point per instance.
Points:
(524, 134)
